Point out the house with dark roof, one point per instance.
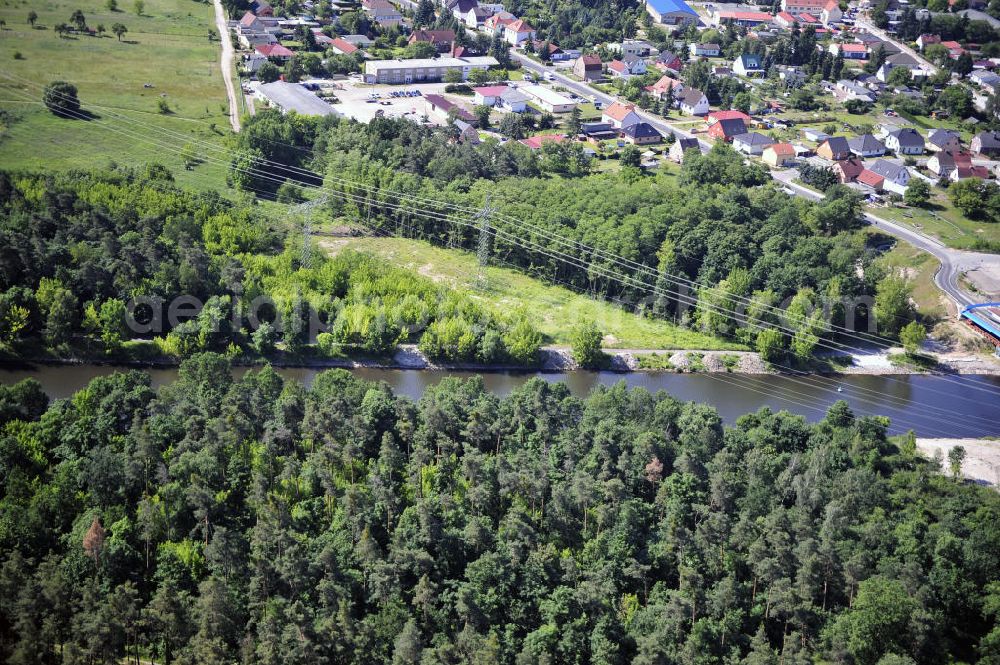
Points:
(641, 133)
(598, 131)
(752, 143)
(834, 149)
(748, 64)
(906, 141)
(588, 67)
(866, 145)
(681, 146)
(466, 132)
(728, 129)
(693, 102)
(986, 144)
(670, 61)
(848, 170)
(707, 50)
(955, 166)
(896, 176)
(671, 12)
(439, 39)
(943, 139)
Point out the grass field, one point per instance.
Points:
(919, 268)
(941, 220)
(166, 47)
(554, 309)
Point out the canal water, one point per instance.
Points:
(933, 406)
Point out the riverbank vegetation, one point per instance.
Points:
(254, 520)
(78, 248)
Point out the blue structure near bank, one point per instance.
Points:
(984, 318)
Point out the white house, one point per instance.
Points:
(620, 115)
(897, 176)
(905, 142)
(518, 32)
(748, 64)
(693, 102)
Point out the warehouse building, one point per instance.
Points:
(423, 69)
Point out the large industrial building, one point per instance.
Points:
(671, 12)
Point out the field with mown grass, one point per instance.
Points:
(943, 221)
(554, 309)
(919, 268)
(167, 47)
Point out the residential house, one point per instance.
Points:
(549, 99)
(588, 67)
(827, 10)
(895, 176)
(925, 40)
(955, 166)
(514, 100)
(866, 146)
(786, 20)
(681, 146)
(669, 60)
(813, 134)
(596, 131)
(361, 41)
(778, 154)
(846, 90)
(460, 8)
(275, 52)
(752, 143)
(382, 12)
(671, 12)
(488, 95)
(342, 46)
(620, 115)
(715, 116)
(518, 32)
(466, 131)
(748, 64)
(554, 51)
(848, 170)
(905, 142)
(727, 130)
(250, 23)
(261, 8)
(707, 50)
(253, 61)
(834, 149)
(868, 179)
(496, 24)
(850, 51)
(624, 69)
(536, 142)
(987, 80)
(446, 109)
(635, 47)
(439, 39)
(986, 144)
(662, 85)
(943, 139)
(476, 17)
(693, 102)
(791, 76)
(955, 49)
(641, 133)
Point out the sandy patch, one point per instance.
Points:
(982, 457)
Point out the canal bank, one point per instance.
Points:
(931, 405)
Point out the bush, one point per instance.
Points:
(61, 99)
(586, 343)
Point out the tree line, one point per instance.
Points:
(250, 519)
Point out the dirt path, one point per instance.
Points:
(982, 457)
(227, 64)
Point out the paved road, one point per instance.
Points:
(882, 34)
(226, 63)
(953, 262)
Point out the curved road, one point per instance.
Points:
(953, 261)
(226, 63)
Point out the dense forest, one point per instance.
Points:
(76, 249)
(253, 520)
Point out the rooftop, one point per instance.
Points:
(293, 97)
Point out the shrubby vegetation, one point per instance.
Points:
(252, 520)
(77, 248)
